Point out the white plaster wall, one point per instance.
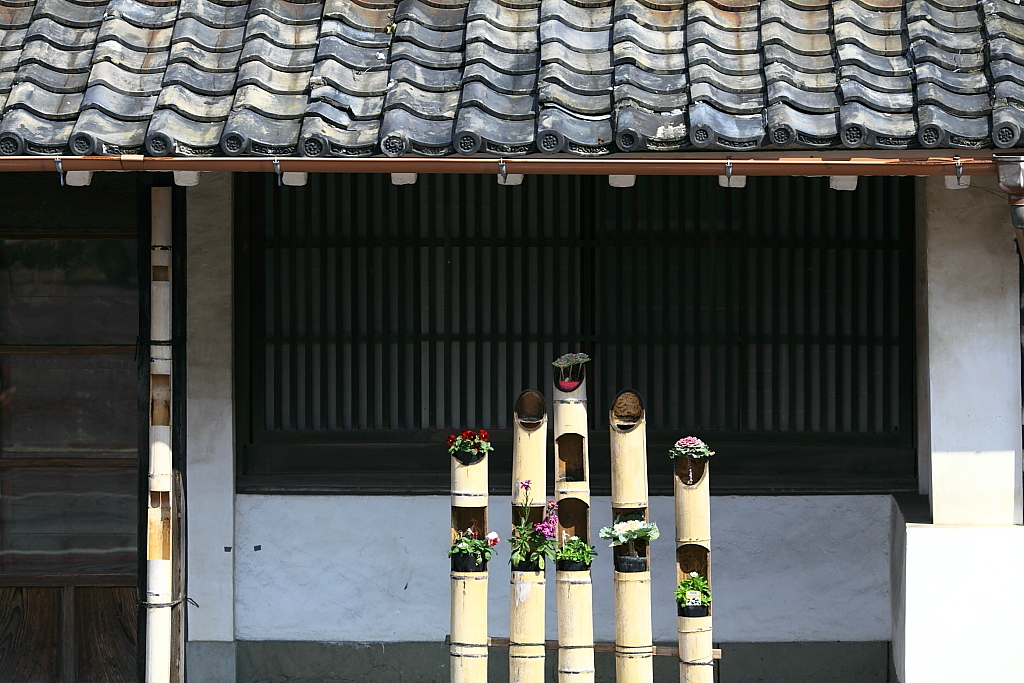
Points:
(340, 568)
(209, 456)
(972, 367)
(963, 604)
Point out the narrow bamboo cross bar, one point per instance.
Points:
(659, 650)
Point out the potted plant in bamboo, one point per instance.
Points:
(470, 447)
(696, 453)
(570, 371)
(693, 596)
(470, 553)
(628, 533)
(533, 543)
(575, 555)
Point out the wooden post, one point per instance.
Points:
(161, 515)
(572, 491)
(526, 628)
(468, 649)
(634, 645)
(693, 554)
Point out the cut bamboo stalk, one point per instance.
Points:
(468, 648)
(634, 648)
(160, 524)
(575, 627)
(529, 441)
(526, 650)
(693, 553)
(572, 491)
(526, 630)
(627, 421)
(634, 643)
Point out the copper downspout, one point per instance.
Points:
(752, 164)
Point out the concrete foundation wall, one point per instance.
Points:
(373, 569)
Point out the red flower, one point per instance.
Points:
(484, 436)
(468, 434)
(451, 439)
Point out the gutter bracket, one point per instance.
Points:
(502, 171)
(277, 170)
(959, 170)
(60, 170)
(728, 171)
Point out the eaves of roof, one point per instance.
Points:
(507, 78)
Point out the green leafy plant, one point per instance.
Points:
(628, 531)
(534, 542)
(690, 447)
(470, 543)
(570, 366)
(470, 446)
(694, 583)
(575, 550)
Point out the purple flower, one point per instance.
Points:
(525, 484)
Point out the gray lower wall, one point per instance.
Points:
(309, 662)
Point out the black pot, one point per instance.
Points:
(572, 566)
(527, 566)
(627, 564)
(693, 610)
(464, 562)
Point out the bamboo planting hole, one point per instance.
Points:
(474, 519)
(690, 470)
(530, 410)
(571, 463)
(574, 519)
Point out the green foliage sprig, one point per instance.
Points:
(575, 550)
(695, 583)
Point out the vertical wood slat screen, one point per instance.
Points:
(782, 311)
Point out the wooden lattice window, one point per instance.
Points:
(775, 321)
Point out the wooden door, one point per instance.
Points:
(69, 476)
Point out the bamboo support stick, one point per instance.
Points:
(634, 643)
(160, 527)
(526, 629)
(572, 491)
(575, 627)
(526, 632)
(693, 553)
(468, 647)
(634, 648)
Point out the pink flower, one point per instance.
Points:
(552, 505)
(525, 484)
(492, 539)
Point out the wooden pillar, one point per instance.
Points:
(468, 649)
(634, 647)
(526, 628)
(693, 554)
(572, 491)
(161, 515)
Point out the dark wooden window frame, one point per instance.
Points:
(758, 463)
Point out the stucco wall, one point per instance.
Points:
(365, 569)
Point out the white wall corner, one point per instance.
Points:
(403, 178)
(294, 178)
(510, 179)
(622, 180)
(736, 181)
(954, 183)
(843, 182)
(186, 178)
(78, 178)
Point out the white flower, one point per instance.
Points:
(694, 574)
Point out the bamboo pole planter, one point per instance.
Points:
(693, 554)
(634, 645)
(526, 629)
(468, 648)
(572, 491)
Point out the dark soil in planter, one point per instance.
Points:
(467, 563)
(627, 564)
(693, 611)
(572, 566)
(468, 457)
(527, 566)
